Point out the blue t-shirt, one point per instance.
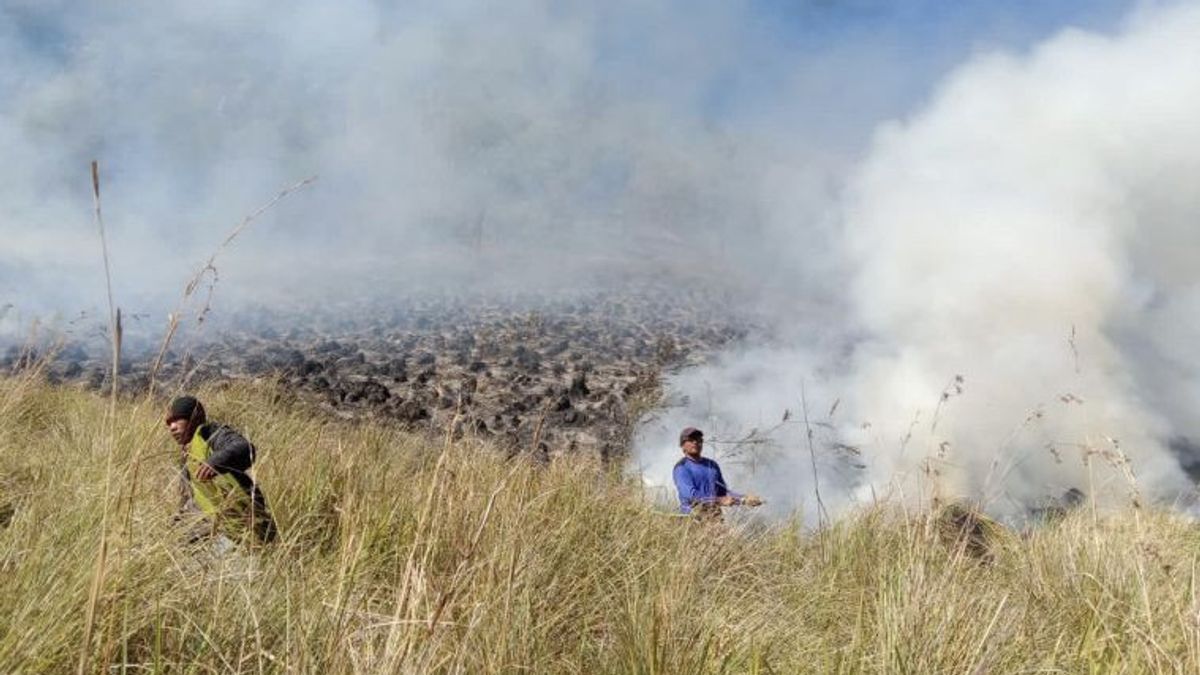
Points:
(699, 481)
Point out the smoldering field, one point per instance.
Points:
(536, 374)
(979, 288)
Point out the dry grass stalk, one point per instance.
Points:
(209, 269)
(114, 328)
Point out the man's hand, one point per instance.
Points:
(205, 472)
(752, 500)
(726, 501)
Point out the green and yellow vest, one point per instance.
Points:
(222, 498)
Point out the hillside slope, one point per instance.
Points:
(404, 554)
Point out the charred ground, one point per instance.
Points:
(541, 374)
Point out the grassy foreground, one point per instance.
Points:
(404, 555)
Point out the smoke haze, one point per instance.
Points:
(459, 144)
(551, 142)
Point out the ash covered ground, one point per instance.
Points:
(545, 373)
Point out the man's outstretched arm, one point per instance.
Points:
(725, 496)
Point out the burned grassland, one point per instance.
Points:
(539, 375)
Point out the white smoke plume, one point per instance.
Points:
(1023, 294)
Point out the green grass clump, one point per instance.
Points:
(402, 554)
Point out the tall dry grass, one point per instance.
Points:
(401, 554)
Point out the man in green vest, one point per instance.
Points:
(214, 461)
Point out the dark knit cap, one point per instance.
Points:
(186, 408)
(690, 434)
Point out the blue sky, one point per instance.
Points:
(857, 61)
(918, 41)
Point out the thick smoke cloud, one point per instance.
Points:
(1022, 301)
(459, 144)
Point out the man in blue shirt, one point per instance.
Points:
(702, 488)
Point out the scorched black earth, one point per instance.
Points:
(540, 375)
